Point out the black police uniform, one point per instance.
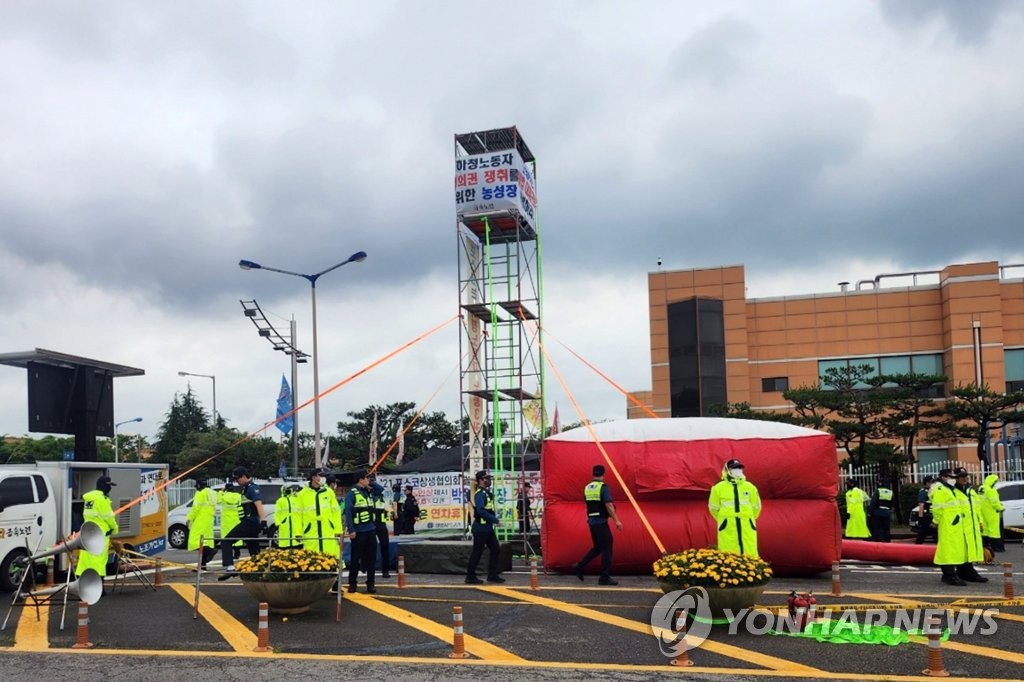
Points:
(249, 527)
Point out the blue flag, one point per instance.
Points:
(284, 406)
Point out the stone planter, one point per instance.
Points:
(290, 597)
(721, 598)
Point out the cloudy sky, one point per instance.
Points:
(147, 147)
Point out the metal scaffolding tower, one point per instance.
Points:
(500, 300)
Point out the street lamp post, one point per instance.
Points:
(356, 257)
(127, 421)
(214, 380)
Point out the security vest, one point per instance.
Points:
(363, 511)
(380, 508)
(885, 498)
(230, 510)
(479, 519)
(99, 510)
(592, 494)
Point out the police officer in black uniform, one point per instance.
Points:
(362, 531)
(484, 523)
(252, 524)
(381, 523)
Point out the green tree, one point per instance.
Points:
(972, 411)
(26, 450)
(184, 416)
(229, 448)
(910, 402)
(350, 448)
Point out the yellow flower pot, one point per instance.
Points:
(294, 596)
(721, 598)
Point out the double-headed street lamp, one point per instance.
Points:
(356, 257)
(127, 421)
(214, 380)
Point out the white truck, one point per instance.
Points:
(41, 504)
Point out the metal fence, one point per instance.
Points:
(866, 477)
(180, 492)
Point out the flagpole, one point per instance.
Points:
(295, 413)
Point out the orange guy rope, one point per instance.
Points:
(266, 426)
(624, 392)
(604, 453)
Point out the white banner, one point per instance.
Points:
(495, 183)
(445, 499)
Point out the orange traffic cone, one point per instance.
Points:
(459, 643)
(935, 667)
(683, 657)
(82, 639)
(263, 635)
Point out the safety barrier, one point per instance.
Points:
(263, 635)
(534, 580)
(82, 638)
(682, 658)
(401, 571)
(837, 590)
(935, 667)
(459, 642)
(1008, 581)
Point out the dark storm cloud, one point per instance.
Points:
(971, 22)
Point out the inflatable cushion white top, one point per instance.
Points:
(686, 428)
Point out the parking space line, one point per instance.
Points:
(32, 634)
(474, 645)
(727, 650)
(893, 599)
(975, 649)
(237, 635)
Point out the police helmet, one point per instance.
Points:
(238, 472)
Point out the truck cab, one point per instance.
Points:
(28, 521)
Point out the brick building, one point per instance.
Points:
(710, 344)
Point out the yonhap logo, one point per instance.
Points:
(692, 605)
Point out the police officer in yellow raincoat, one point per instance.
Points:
(98, 510)
(320, 527)
(288, 517)
(735, 505)
(856, 519)
(200, 521)
(954, 512)
(991, 515)
(230, 501)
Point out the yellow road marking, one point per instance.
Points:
(32, 634)
(237, 635)
(725, 673)
(965, 605)
(475, 646)
(976, 649)
(727, 650)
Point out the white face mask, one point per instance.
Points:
(948, 481)
(737, 473)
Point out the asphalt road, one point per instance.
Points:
(567, 630)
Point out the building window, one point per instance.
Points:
(928, 363)
(696, 349)
(1014, 360)
(774, 384)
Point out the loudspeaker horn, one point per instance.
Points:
(90, 537)
(88, 588)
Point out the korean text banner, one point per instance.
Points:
(495, 183)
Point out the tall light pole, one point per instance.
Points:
(253, 311)
(356, 257)
(127, 421)
(214, 380)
